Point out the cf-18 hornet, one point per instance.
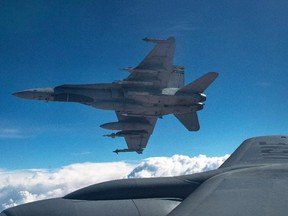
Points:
(153, 89)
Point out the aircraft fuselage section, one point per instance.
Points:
(123, 99)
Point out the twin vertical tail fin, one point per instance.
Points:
(176, 79)
(190, 120)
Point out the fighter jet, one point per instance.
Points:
(153, 89)
(252, 181)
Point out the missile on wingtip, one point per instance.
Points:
(168, 40)
(139, 151)
(138, 70)
(129, 69)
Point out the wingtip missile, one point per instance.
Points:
(112, 135)
(128, 69)
(146, 39)
(168, 40)
(138, 151)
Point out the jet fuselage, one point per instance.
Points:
(127, 100)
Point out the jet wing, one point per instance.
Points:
(136, 139)
(157, 66)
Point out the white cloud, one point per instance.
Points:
(175, 165)
(22, 186)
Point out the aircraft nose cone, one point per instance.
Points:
(16, 94)
(23, 94)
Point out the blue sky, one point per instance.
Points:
(49, 43)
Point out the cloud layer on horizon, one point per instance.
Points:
(22, 186)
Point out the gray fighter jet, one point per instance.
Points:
(253, 181)
(153, 89)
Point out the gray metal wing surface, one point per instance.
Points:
(157, 66)
(260, 151)
(139, 141)
(155, 72)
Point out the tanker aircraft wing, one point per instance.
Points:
(139, 140)
(253, 181)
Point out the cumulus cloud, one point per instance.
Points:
(175, 165)
(22, 186)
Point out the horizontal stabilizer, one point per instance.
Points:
(189, 120)
(199, 85)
